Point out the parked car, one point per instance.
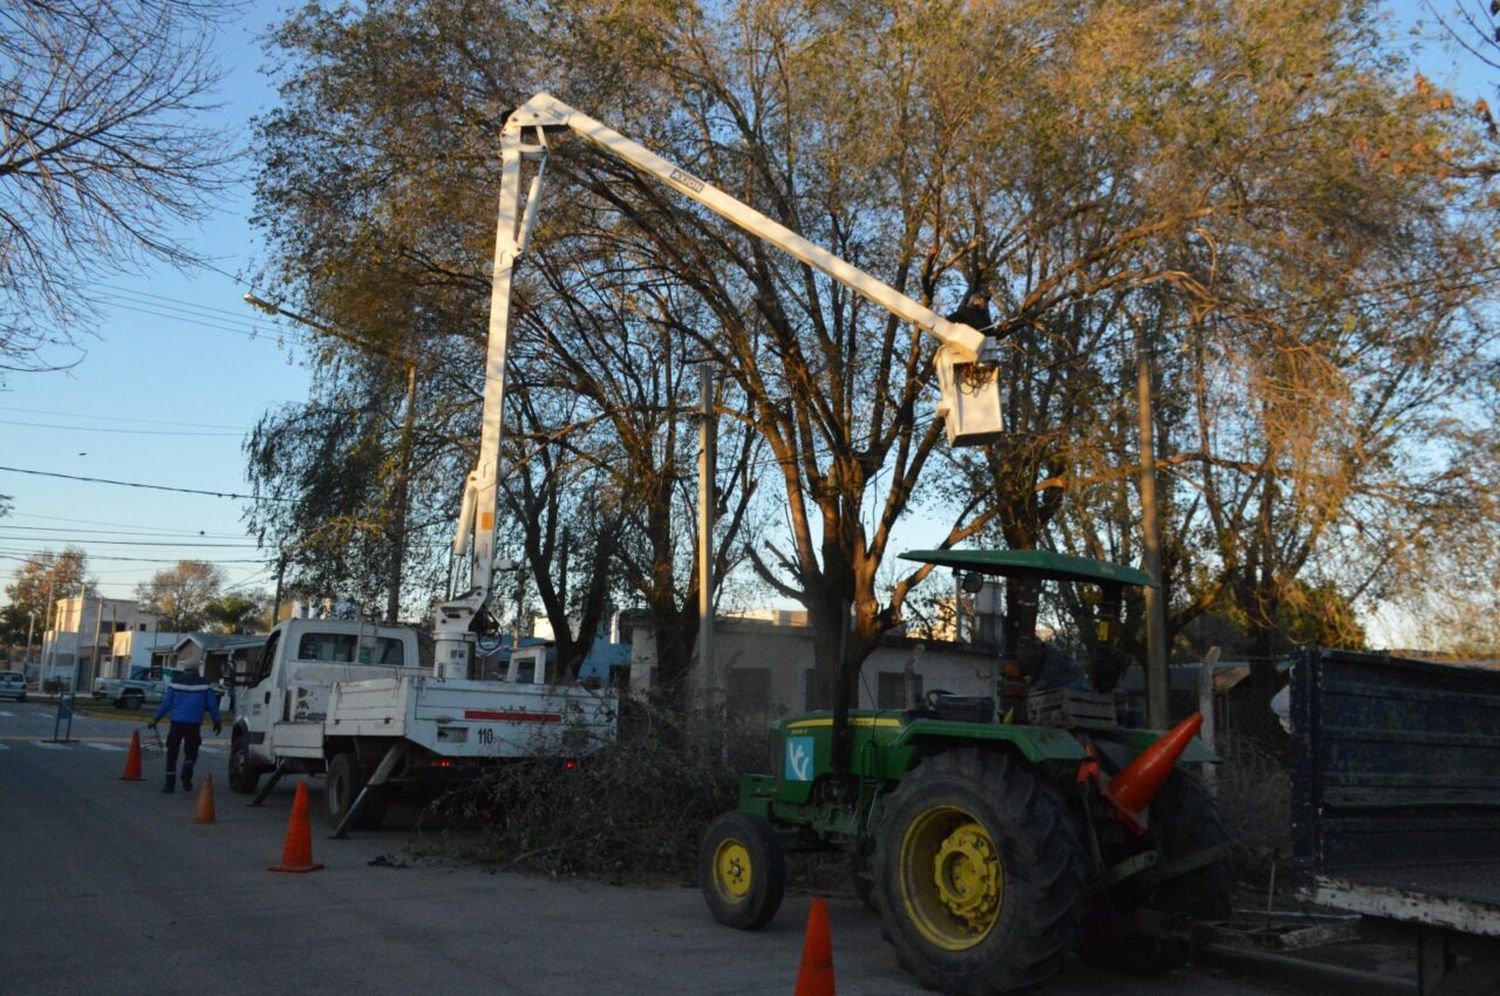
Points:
(13, 685)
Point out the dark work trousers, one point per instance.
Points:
(187, 736)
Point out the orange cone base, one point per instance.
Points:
(133, 760)
(296, 870)
(815, 977)
(1131, 791)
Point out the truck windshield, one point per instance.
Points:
(348, 648)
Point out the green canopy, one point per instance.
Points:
(1037, 564)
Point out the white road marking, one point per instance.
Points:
(109, 747)
(3, 747)
(44, 745)
(7, 715)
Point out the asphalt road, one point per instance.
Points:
(110, 888)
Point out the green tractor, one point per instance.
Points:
(993, 836)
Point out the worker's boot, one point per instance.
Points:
(171, 785)
(187, 777)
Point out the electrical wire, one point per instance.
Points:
(119, 418)
(125, 432)
(148, 487)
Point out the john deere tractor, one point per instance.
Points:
(993, 835)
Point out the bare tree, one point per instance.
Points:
(102, 152)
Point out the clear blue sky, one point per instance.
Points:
(181, 369)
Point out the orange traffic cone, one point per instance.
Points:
(296, 853)
(133, 760)
(205, 811)
(1132, 790)
(815, 978)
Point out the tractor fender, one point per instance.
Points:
(1037, 744)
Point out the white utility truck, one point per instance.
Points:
(350, 699)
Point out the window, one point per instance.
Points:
(890, 689)
(340, 648)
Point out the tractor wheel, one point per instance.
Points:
(1185, 820)
(980, 872)
(862, 875)
(741, 870)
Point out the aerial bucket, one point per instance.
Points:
(970, 401)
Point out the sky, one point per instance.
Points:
(165, 393)
(181, 369)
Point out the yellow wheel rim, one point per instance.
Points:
(732, 873)
(952, 880)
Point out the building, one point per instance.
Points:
(219, 655)
(77, 646)
(136, 650)
(768, 668)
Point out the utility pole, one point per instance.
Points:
(403, 485)
(1157, 706)
(30, 627)
(49, 651)
(98, 628)
(707, 465)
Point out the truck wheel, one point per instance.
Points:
(741, 870)
(244, 776)
(345, 779)
(130, 700)
(981, 874)
(1185, 820)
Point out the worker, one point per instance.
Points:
(975, 311)
(188, 697)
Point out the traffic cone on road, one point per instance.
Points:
(205, 811)
(296, 853)
(133, 760)
(815, 978)
(1132, 790)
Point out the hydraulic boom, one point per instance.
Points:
(970, 395)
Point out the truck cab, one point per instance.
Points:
(285, 701)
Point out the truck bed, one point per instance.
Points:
(1396, 787)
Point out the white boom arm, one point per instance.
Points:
(970, 395)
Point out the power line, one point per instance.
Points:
(119, 418)
(13, 554)
(148, 487)
(147, 531)
(118, 525)
(127, 432)
(106, 542)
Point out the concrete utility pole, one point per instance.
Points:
(707, 464)
(1157, 704)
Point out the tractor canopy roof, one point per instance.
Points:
(1039, 565)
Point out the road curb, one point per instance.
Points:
(1302, 973)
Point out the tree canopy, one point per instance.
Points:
(1263, 195)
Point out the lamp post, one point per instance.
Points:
(30, 628)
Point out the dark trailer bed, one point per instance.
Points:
(1396, 803)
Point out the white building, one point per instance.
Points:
(767, 668)
(80, 638)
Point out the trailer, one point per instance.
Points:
(1396, 804)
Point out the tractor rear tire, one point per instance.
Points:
(1188, 821)
(741, 870)
(980, 871)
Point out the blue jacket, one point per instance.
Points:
(188, 697)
